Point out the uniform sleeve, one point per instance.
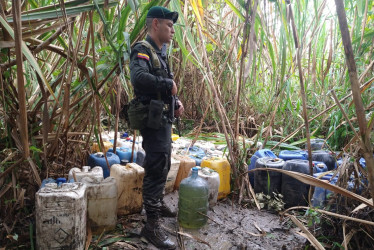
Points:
(141, 78)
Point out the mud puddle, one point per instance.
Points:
(229, 227)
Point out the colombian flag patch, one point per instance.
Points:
(143, 56)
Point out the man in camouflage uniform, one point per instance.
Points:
(155, 82)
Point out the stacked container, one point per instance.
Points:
(102, 203)
(61, 216)
(129, 179)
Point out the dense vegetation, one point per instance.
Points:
(235, 62)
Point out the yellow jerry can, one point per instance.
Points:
(107, 146)
(222, 167)
(174, 137)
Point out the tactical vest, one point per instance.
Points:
(156, 63)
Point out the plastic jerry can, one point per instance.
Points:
(293, 154)
(107, 145)
(101, 204)
(295, 193)
(193, 201)
(124, 153)
(319, 167)
(129, 179)
(259, 154)
(268, 182)
(325, 157)
(61, 216)
(186, 163)
(212, 178)
(98, 159)
(172, 175)
(316, 144)
(222, 167)
(320, 195)
(174, 137)
(140, 156)
(86, 171)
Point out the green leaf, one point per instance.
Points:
(29, 56)
(109, 241)
(237, 12)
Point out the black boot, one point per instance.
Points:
(153, 232)
(165, 211)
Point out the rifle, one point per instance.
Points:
(174, 106)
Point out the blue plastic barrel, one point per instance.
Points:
(293, 154)
(319, 167)
(295, 193)
(259, 154)
(320, 195)
(124, 153)
(98, 159)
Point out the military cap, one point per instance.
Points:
(162, 13)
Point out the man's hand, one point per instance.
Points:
(179, 112)
(174, 89)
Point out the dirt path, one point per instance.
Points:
(230, 227)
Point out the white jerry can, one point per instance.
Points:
(102, 204)
(86, 171)
(61, 216)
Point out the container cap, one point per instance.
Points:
(61, 180)
(124, 162)
(196, 168)
(124, 135)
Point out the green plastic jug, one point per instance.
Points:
(193, 201)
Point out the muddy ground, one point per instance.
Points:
(229, 227)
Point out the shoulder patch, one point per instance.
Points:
(143, 56)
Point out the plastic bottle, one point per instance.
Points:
(129, 179)
(61, 216)
(268, 182)
(101, 203)
(193, 201)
